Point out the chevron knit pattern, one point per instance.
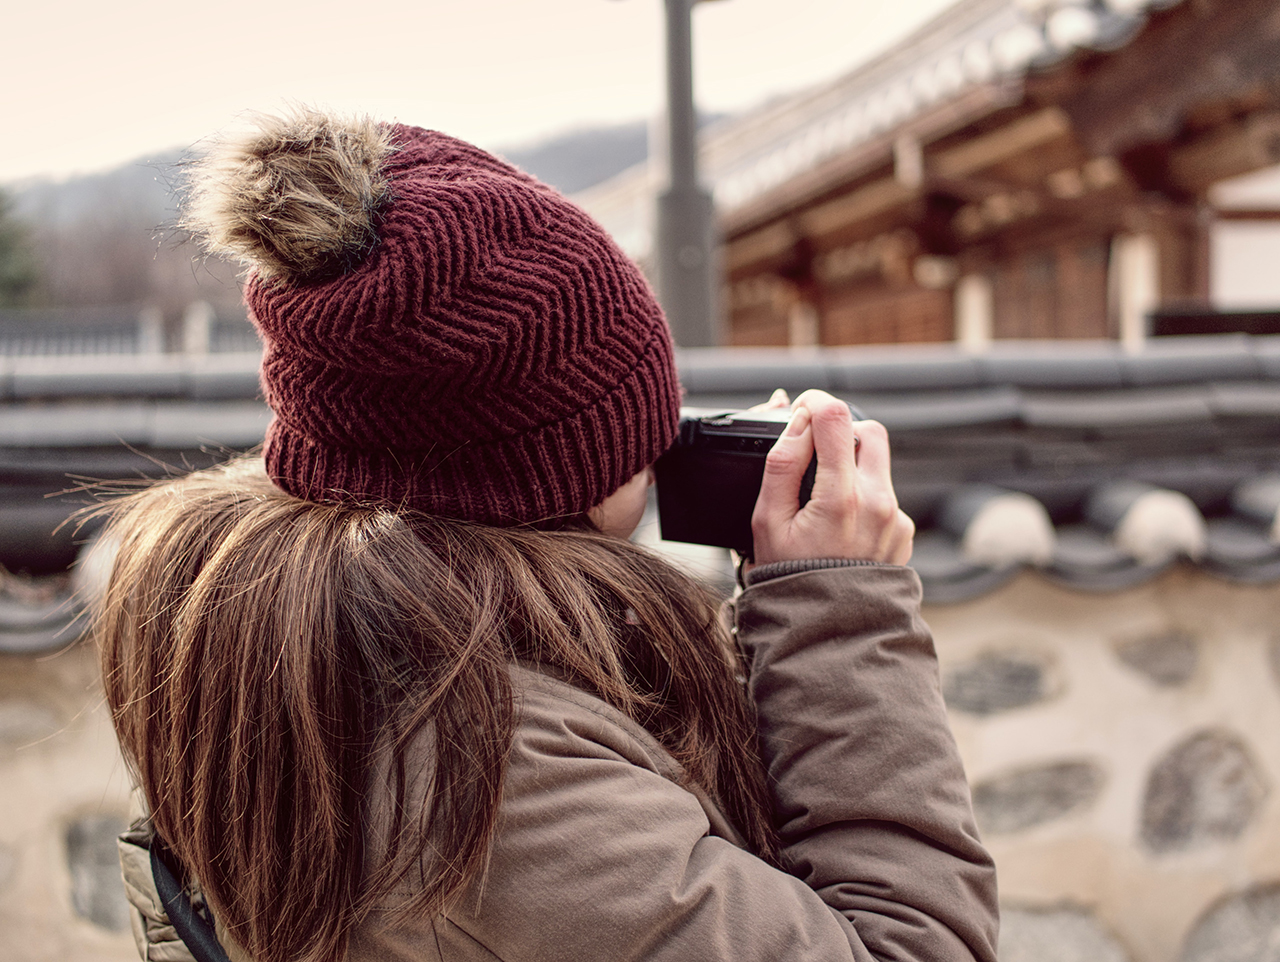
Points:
(495, 357)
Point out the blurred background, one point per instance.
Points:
(1038, 239)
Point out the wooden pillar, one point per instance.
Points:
(974, 312)
(1134, 283)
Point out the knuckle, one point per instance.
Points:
(882, 508)
(872, 430)
(763, 525)
(906, 525)
(832, 412)
(780, 458)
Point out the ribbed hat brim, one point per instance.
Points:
(559, 470)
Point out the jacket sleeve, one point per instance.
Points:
(601, 853)
(873, 808)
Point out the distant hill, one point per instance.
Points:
(583, 158)
(140, 191)
(144, 191)
(108, 239)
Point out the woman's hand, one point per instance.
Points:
(852, 513)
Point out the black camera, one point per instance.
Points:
(709, 478)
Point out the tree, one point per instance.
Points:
(18, 273)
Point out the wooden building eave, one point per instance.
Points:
(1200, 52)
(835, 203)
(871, 157)
(1029, 153)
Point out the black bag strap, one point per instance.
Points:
(192, 927)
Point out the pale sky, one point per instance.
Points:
(89, 85)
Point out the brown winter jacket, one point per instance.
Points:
(601, 855)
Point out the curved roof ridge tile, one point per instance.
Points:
(28, 626)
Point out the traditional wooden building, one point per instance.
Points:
(1017, 169)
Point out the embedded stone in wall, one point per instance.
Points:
(1240, 928)
(1056, 935)
(1031, 796)
(1206, 789)
(23, 721)
(1168, 660)
(97, 892)
(995, 682)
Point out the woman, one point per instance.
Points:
(401, 689)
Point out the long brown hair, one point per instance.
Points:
(259, 652)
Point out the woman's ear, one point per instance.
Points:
(619, 514)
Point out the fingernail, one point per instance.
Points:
(799, 421)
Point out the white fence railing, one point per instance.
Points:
(51, 332)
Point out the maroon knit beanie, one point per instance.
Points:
(461, 339)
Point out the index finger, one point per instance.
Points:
(784, 468)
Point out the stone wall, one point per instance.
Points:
(1124, 751)
(63, 799)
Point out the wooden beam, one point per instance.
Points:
(1014, 138)
(1266, 214)
(875, 198)
(768, 243)
(1239, 149)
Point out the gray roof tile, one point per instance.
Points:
(1058, 422)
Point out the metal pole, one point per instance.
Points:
(686, 241)
(682, 121)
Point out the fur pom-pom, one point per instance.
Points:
(296, 198)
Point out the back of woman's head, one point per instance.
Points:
(262, 653)
(441, 330)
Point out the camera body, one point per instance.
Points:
(708, 480)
